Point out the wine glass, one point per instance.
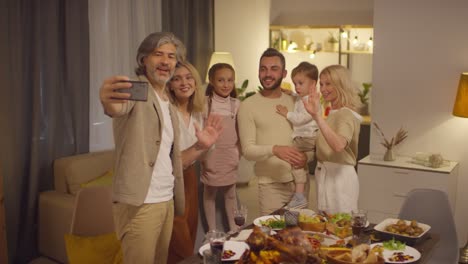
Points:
(240, 216)
(216, 239)
(358, 222)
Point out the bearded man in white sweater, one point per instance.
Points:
(265, 136)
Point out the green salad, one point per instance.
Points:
(394, 244)
(340, 216)
(273, 223)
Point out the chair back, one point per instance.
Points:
(92, 214)
(432, 207)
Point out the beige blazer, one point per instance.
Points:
(137, 136)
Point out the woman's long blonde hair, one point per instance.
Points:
(346, 90)
(197, 99)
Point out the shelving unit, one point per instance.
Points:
(312, 42)
(314, 38)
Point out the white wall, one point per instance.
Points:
(418, 59)
(321, 12)
(242, 28)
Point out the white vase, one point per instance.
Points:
(389, 156)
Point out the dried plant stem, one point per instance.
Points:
(397, 139)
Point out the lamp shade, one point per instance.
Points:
(460, 108)
(218, 57)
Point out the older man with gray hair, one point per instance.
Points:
(148, 182)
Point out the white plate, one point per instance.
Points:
(387, 254)
(237, 247)
(266, 217)
(389, 221)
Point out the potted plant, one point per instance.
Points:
(241, 91)
(364, 96)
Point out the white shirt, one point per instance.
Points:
(162, 181)
(303, 123)
(187, 134)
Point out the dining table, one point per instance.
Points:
(425, 245)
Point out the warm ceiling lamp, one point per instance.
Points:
(460, 108)
(220, 57)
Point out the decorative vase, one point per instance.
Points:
(389, 156)
(364, 109)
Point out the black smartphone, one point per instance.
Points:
(138, 91)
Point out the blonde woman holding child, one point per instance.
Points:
(220, 167)
(304, 77)
(337, 141)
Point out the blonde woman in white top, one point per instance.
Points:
(185, 92)
(337, 140)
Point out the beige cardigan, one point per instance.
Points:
(137, 136)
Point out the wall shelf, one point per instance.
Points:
(310, 38)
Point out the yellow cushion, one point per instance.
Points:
(103, 180)
(102, 249)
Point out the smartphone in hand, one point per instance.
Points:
(138, 91)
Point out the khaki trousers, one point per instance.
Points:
(144, 231)
(272, 196)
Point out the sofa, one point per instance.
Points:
(56, 206)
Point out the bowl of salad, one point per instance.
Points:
(275, 222)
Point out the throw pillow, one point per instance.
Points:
(103, 180)
(102, 249)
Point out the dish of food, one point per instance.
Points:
(232, 250)
(326, 240)
(405, 228)
(311, 222)
(275, 222)
(406, 255)
(358, 254)
(338, 224)
(289, 245)
(402, 230)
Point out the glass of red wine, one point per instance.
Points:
(240, 216)
(358, 222)
(216, 239)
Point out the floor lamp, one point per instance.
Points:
(460, 109)
(220, 57)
